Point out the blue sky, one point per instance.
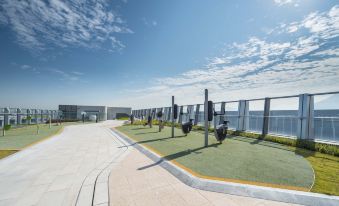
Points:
(139, 53)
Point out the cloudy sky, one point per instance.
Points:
(139, 53)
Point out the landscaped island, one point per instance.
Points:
(242, 159)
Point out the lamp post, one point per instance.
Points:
(206, 117)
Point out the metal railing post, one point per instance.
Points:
(305, 127)
(246, 116)
(190, 110)
(196, 117)
(6, 116)
(206, 117)
(169, 112)
(241, 115)
(222, 110)
(29, 116)
(172, 117)
(41, 115)
(6, 120)
(18, 116)
(180, 116)
(266, 116)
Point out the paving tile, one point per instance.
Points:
(52, 198)
(156, 186)
(85, 198)
(7, 202)
(62, 182)
(212, 196)
(52, 172)
(32, 195)
(190, 195)
(146, 198)
(101, 193)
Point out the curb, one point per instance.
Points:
(94, 189)
(275, 194)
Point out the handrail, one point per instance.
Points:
(277, 97)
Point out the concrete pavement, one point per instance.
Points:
(138, 181)
(88, 165)
(63, 170)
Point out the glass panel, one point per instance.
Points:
(232, 114)
(201, 115)
(255, 116)
(284, 116)
(326, 117)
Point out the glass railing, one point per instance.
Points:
(255, 123)
(232, 121)
(283, 125)
(326, 128)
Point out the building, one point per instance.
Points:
(73, 112)
(117, 112)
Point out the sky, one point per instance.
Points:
(140, 53)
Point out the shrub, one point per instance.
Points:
(7, 127)
(123, 118)
(62, 120)
(299, 143)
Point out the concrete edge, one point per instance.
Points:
(267, 193)
(96, 183)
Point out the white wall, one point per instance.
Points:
(101, 109)
(112, 111)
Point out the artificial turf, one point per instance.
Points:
(238, 158)
(5, 153)
(18, 138)
(326, 168)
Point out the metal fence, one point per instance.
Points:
(17, 117)
(295, 116)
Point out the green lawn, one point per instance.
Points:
(18, 138)
(5, 153)
(238, 158)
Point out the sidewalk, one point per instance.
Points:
(54, 171)
(137, 180)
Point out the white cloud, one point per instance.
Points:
(149, 23)
(322, 24)
(259, 68)
(293, 27)
(29, 68)
(25, 67)
(77, 73)
(41, 24)
(325, 25)
(58, 73)
(67, 76)
(283, 2)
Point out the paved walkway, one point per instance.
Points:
(87, 165)
(136, 180)
(62, 170)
